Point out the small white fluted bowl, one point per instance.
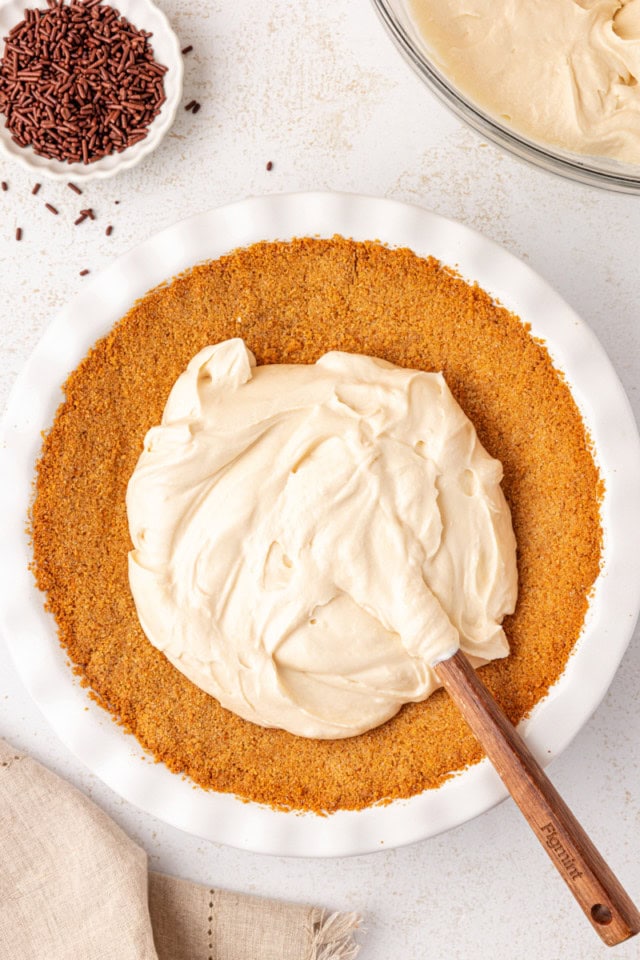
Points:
(144, 15)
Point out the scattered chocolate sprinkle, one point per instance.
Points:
(88, 213)
(73, 187)
(5, 185)
(79, 82)
(191, 105)
(18, 233)
(116, 201)
(80, 219)
(109, 230)
(187, 50)
(196, 108)
(84, 272)
(270, 165)
(36, 187)
(51, 208)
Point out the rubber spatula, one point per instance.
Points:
(604, 901)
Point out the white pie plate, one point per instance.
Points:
(30, 632)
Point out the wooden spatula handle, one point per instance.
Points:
(606, 904)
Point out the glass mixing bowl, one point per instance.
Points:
(596, 171)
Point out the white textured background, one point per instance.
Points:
(319, 90)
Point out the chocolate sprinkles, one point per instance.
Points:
(79, 82)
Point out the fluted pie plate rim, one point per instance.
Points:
(30, 634)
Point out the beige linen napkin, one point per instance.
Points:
(73, 886)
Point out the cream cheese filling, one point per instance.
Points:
(564, 72)
(309, 539)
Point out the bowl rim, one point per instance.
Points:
(571, 166)
(139, 13)
(28, 630)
